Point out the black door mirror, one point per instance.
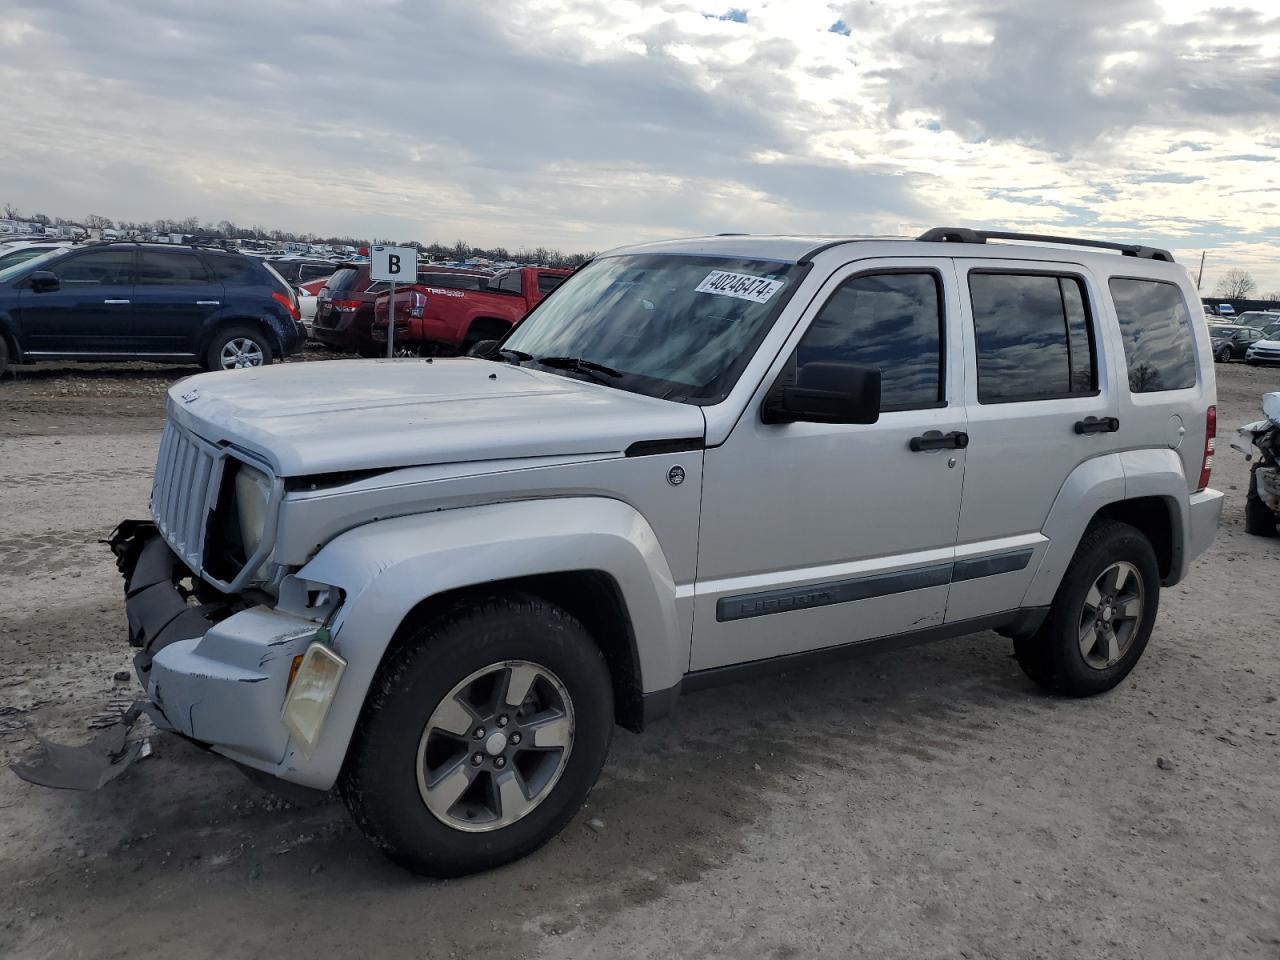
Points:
(482, 348)
(825, 393)
(42, 281)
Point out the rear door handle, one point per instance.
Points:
(1098, 425)
(936, 440)
(116, 301)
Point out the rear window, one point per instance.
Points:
(342, 280)
(452, 281)
(549, 281)
(509, 282)
(1156, 327)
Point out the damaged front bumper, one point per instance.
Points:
(216, 667)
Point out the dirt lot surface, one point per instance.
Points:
(926, 803)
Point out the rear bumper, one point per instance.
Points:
(1204, 509)
(216, 672)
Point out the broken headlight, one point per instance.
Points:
(253, 497)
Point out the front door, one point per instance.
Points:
(174, 299)
(814, 535)
(90, 312)
(1038, 407)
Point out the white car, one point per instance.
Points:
(17, 251)
(1263, 351)
(308, 294)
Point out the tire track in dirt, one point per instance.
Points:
(50, 552)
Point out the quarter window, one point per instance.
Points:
(105, 267)
(1033, 337)
(1156, 328)
(892, 321)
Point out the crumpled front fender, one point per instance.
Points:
(387, 568)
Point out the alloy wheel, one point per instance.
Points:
(495, 746)
(1110, 615)
(240, 352)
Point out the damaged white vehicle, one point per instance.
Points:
(438, 585)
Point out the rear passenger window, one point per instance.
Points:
(1156, 327)
(155, 267)
(1033, 337)
(889, 320)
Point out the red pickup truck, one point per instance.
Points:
(434, 319)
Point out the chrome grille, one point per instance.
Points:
(181, 491)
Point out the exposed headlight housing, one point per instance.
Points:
(253, 498)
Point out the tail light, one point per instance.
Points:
(1210, 445)
(417, 304)
(346, 304)
(289, 303)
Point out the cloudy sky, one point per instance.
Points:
(581, 124)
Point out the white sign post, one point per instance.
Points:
(392, 264)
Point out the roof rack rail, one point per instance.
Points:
(967, 235)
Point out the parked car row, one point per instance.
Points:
(121, 300)
(1253, 344)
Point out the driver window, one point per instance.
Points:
(103, 267)
(889, 320)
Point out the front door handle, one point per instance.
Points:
(208, 303)
(116, 301)
(936, 440)
(1098, 425)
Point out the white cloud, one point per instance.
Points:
(584, 123)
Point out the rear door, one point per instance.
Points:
(90, 312)
(1039, 404)
(174, 299)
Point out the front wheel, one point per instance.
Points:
(1101, 617)
(481, 737)
(1223, 355)
(236, 348)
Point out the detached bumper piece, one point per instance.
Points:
(91, 766)
(159, 611)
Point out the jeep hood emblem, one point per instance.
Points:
(191, 396)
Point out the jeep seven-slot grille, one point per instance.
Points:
(180, 493)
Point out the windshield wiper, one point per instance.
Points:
(506, 353)
(581, 365)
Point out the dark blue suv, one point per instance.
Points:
(147, 301)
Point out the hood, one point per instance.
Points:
(340, 415)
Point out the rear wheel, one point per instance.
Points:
(4, 355)
(1258, 518)
(1101, 617)
(237, 348)
(481, 737)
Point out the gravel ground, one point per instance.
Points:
(926, 803)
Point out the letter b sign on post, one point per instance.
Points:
(394, 265)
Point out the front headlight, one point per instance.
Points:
(253, 496)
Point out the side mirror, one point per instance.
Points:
(482, 348)
(825, 393)
(42, 281)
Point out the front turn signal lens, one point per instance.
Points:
(313, 685)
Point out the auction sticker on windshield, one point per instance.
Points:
(742, 286)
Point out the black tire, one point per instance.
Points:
(1223, 355)
(1052, 657)
(379, 782)
(226, 335)
(4, 355)
(1258, 518)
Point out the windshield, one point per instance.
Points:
(11, 269)
(676, 327)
